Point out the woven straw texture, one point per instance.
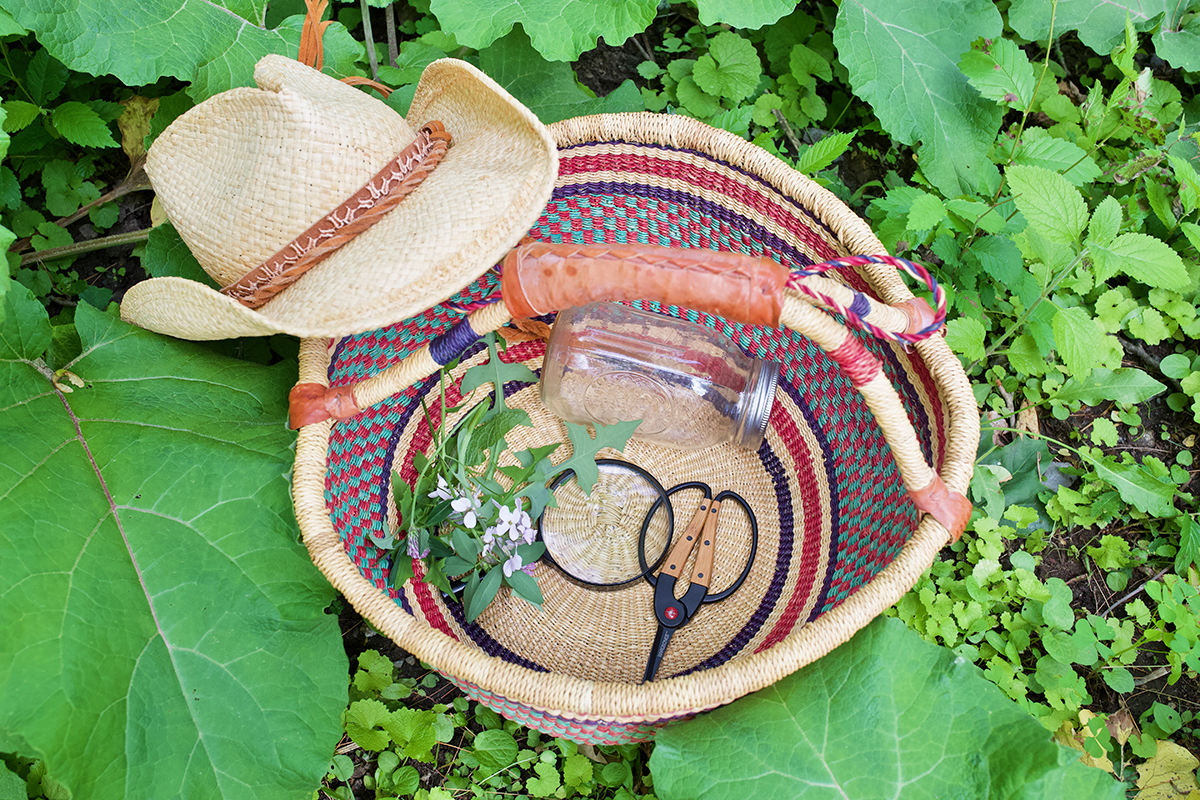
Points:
(839, 539)
(245, 172)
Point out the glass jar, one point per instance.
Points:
(691, 386)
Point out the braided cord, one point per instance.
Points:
(858, 312)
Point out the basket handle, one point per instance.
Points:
(542, 277)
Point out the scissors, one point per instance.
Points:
(674, 612)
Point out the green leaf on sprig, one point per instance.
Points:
(525, 587)
(80, 125)
(478, 595)
(1136, 486)
(1127, 386)
(491, 432)
(1049, 202)
(497, 373)
(1144, 258)
(1188, 552)
(364, 722)
(585, 449)
(730, 69)
(18, 115)
(820, 155)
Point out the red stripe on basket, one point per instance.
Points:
(705, 180)
(429, 607)
(408, 473)
(856, 361)
(811, 563)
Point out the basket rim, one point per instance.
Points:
(585, 700)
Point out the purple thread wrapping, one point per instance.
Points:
(444, 348)
(861, 307)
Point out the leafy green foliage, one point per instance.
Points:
(913, 83)
(212, 44)
(559, 29)
(814, 734)
(193, 615)
(464, 745)
(549, 89)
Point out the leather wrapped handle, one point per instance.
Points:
(540, 277)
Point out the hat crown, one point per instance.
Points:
(247, 171)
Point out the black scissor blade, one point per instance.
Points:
(661, 639)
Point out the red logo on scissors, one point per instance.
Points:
(671, 612)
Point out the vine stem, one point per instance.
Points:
(991, 351)
(1041, 78)
(370, 40)
(1130, 595)
(135, 181)
(79, 248)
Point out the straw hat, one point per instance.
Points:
(250, 176)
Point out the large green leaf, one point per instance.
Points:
(1180, 47)
(559, 29)
(1049, 202)
(747, 14)
(903, 59)
(1126, 386)
(1101, 26)
(209, 42)
(549, 88)
(164, 632)
(885, 715)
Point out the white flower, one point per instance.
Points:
(516, 524)
(512, 565)
(468, 506)
(442, 492)
(489, 540)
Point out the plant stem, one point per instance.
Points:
(1129, 596)
(1029, 311)
(135, 181)
(79, 248)
(1042, 77)
(369, 40)
(389, 18)
(788, 132)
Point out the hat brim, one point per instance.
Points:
(490, 187)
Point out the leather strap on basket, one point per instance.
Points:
(540, 277)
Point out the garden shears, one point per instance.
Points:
(674, 612)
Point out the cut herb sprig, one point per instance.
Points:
(459, 519)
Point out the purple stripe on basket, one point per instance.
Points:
(337, 355)
(756, 178)
(446, 346)
(787, 536)
(707, 207)
(835, 514)
(778, 473)
(478, 635)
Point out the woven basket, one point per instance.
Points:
(839, 538)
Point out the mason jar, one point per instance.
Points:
(690, 386)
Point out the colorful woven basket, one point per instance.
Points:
(839, 537)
